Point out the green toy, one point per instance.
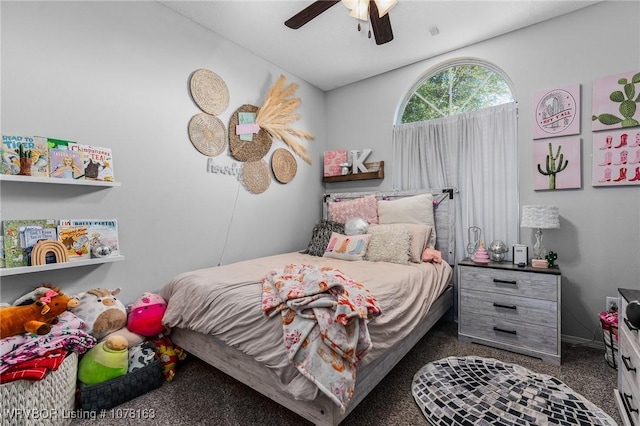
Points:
(105, 361)
(551, 258)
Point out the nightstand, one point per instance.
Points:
(510, 307)
(628, 393)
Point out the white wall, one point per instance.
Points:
(116, 74)
(598, 243)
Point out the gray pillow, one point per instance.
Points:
(320, 236)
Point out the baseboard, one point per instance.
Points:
(572, 340)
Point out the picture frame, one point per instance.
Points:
(557, 164)
(557, 112)
(520, 254)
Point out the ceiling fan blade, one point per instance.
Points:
(309, 12)
(381, 26)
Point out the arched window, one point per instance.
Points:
(453, 88)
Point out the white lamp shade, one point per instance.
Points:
(543, 217)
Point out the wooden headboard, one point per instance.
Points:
(443, 210)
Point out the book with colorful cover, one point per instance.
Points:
(39, 149)
(100, 231)
(9, 156)
(75, 239)
(65, 164)
(13, 232)
(57, 143)
(97, 161)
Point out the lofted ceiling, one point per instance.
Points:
(329, 52)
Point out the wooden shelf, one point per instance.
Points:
(5, 272)
(378, 174)
(56, 181)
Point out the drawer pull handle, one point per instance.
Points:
(510, 282)
(499, 305)
(514, 332)
(627, 400)
(626, 361)
(629, 325)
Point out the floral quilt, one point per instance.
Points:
(324, 317)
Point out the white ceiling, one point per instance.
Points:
(329, 52)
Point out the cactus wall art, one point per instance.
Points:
(557, 164)
(557, 112)
(616, 102)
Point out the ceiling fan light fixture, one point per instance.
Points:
(361, 10)
(384, 6)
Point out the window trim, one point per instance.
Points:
(471, 61)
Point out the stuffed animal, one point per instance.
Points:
(169, 355)
(105, 361)
(35, 317)
(145, 315)
(102, 311)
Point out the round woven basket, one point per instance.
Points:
(207, 134)
(284, 165)
(209, 91)
(252, 150)
(256, 176)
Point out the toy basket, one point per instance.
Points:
(46, 402)
(103, 396)
(609, 322)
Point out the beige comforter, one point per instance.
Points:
(225, 302)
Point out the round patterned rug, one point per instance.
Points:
(485, 391)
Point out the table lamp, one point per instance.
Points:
(540, 217)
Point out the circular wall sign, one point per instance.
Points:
(556, 111)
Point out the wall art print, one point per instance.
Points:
(557, 164)
(557, 112)
(615, 101)
(616, 158)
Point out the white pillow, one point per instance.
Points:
(347, 247)
(416, 209)
(389, 243)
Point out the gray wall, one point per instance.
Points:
(598, 243)
(116, 74)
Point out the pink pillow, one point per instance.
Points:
(431, 255)
(364, 207)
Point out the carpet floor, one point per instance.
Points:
(202, 395)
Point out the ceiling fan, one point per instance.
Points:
(360, 9)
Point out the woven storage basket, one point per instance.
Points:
(46, 402)
(103, 396)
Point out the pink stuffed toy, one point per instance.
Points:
(145, 315)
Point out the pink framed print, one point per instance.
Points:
(615, 101)
(557, 112)
(557, 164)
(616, 158)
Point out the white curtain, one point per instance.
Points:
(475, 153)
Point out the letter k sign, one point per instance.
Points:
(358, 160)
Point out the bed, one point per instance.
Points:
(216, 315)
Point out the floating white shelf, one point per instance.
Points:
(4, 272)
(35, 179)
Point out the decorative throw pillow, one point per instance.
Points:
(420, 235)
(364, 207)
(347, 247)
(417, 209)
(320, 236)
(389, 243)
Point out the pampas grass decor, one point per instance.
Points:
(278, 111)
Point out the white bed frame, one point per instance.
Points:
(323, 411)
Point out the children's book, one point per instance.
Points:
(39, 154)
(100, 231)
(65, 164)
(76, 240)
(15, 243)
(97, 162)
(9, 155)
(57, 143)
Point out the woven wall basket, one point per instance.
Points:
(284, 165)
(252, 150)
(209, 91)
(207, 134)
(256, 176)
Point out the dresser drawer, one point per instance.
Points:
(527, 284)
(629, 397)
(629, 361)
(624, 324)
(515, 333)
(512, 308)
